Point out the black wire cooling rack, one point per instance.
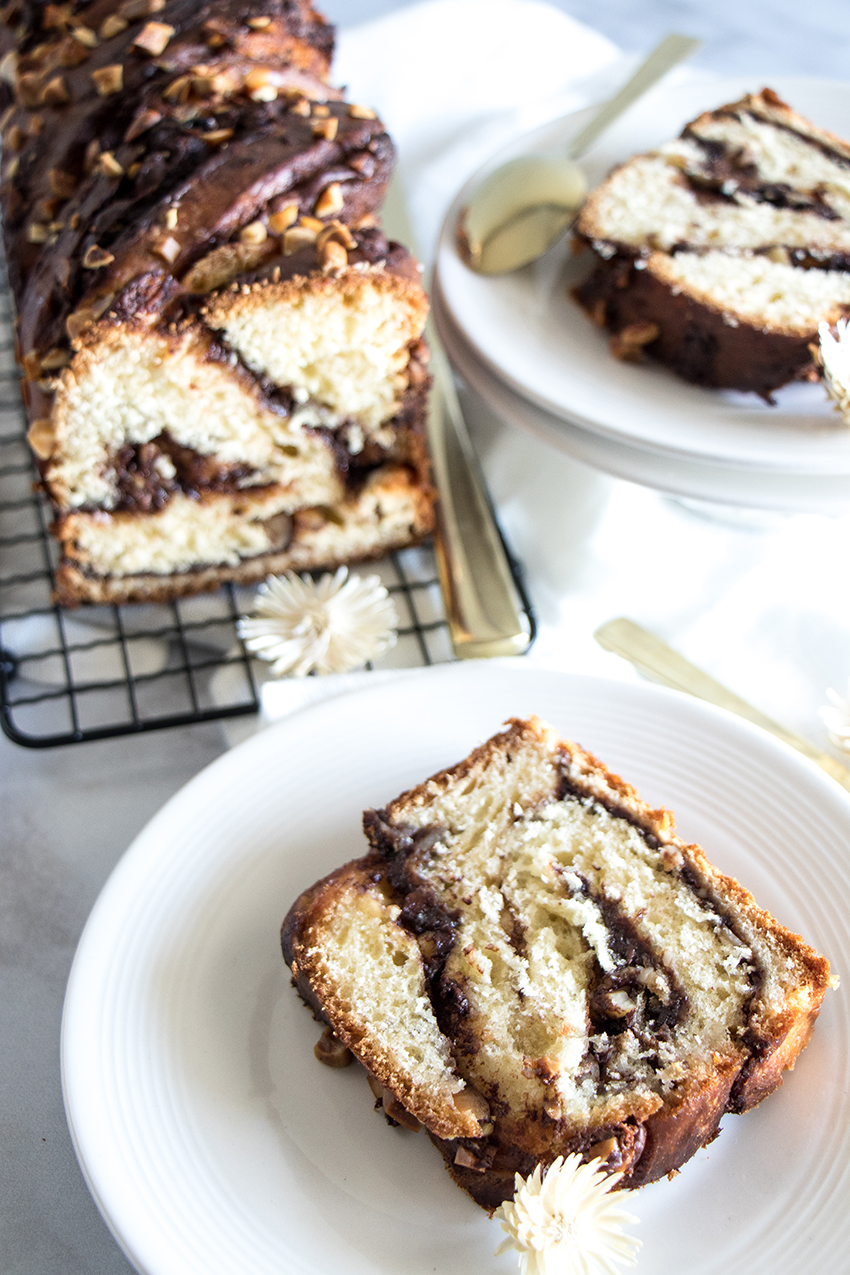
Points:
(67, 676)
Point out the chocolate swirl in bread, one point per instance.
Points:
(530, 963)
(172, 169)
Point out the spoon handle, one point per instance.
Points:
(486, 612)
(660, 663)
(672, 50)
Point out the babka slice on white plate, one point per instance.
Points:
(721, 252)
(531, 963)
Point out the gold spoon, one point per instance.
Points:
(521, 208)
(660, 663)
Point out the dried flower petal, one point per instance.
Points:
(333, 624)
(566, 1221)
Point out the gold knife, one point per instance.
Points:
(486, 612)
(661, 663)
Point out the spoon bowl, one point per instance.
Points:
(523, 207)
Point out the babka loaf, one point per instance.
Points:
(531, 963)
(720, 253)
(224, 370)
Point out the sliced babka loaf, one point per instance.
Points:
(721, 252)
(530, 962)
(224, 371)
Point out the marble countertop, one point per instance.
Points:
(68, 814)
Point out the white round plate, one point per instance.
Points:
(684, 476)
(535, 337)
(215, 1144)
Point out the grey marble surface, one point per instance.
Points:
(66, 815)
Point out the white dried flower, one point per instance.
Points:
(567, 1222)
(836, 717)
(333, 624)
(835, 356)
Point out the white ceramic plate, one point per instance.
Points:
(684, 476)
(526, 327)
(214, 1143)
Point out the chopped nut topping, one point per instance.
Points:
(470, 1102)
(134, 169)
(54, 359)
(36, 232)
(77, 322)
(223, 264)
(259, 24)
(72, 52)
(143, 121)
(11, 170)
(283, 219)
(86, 36)
(330, 201)
(109, 165)
(336, 230)
(300, 107)
(29, 88)
(256, 79)
(63, 184)
(9, 67)
(361, 112)
(109, 79)
(179, 89)
(297, 237)
(168, 248)
(14, 139)
(215, 40)
(91, 156)
(321, 112)
(399, 1113)
(216, 136)
(153, 37)
(331, 1051)
(55, 92)
(31, 365)
(132, 9)
(312, 223)
(35, 126)
(326, 128)
(627, 345)
(258, 86)
(41, 437)
(55, 17)
(47, 210)
(73, 222)
(102, 304)
(332, 255)
(170, 218)
(113, 25)
(254, 233)
(96, 258)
